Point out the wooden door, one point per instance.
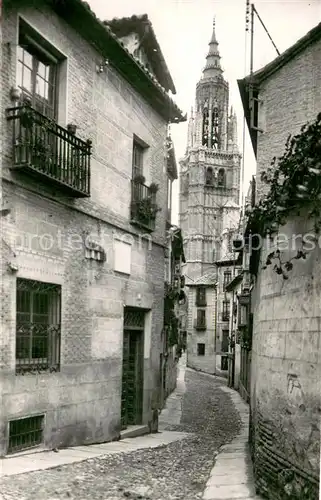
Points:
(132, 376)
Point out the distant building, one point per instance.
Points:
(84, 213)
(175, 299)
(285, 398)
(209, 206)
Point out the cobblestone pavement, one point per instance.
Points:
(175, 471)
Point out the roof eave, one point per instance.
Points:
(79, 16)
(235, 281)
(268, 70)
(149, 43)
(286, 56)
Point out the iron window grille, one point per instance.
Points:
(200, 296)
(38, 326)
(37, 71)
(25, 433)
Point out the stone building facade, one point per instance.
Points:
(175, 298)
(286, 364)
(84, 208)
(209, 194)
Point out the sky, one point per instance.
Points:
(183, 29)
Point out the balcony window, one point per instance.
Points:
(226, 311)
(138, 156)
(201, 296)
(37, 78)
(227, 278)
(37, 326)
(45, 150)
(41, 147)
(143, 200)
(200, 321)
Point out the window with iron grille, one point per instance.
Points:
(201, 296)
(138, 154)
(200, 349)
(227, 278)
(25, 433)
(37, 71)
(201, 317)
(38, 326)
(226, 310)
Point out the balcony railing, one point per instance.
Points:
(143, 206)
(44, 149)
(200, 324)
(225, 316)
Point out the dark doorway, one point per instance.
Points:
(133, 367)
(225, 337)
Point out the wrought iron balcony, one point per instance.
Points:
(143, 206)
(44, 149)
(225, 316)
(200, 324)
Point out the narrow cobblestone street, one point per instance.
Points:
(176, 471)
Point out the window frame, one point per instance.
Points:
(138, 170)
(201, 317)
(53, 315)
(226, 310)
(225, 279)
(30, 42)
(201, 296)
(199, 353)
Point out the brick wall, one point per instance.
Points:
(286, 363)
(82, 401)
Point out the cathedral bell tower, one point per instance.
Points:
(210, 170)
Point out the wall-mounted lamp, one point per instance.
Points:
(100, 68)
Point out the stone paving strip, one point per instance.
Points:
(232, 475)
(47, 459)
(201, 426)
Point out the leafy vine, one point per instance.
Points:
(283, 267)
(294, 181)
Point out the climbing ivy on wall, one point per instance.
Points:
(294, 181)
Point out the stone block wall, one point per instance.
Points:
(44, 237)
(286, 362)
(286, 374)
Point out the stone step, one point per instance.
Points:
(133, 431)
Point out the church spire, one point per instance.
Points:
(213, 65)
